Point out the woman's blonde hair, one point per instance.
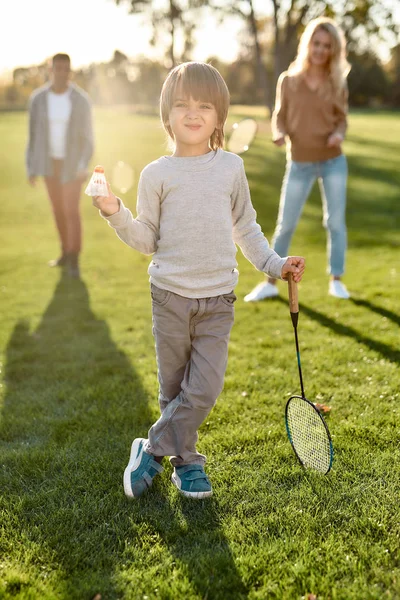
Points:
(338, 66)
(200, 81)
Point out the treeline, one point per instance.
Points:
(138, 81)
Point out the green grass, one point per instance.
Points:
(79, 383)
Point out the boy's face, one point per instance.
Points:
(192, 122)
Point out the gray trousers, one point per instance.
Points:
(191, 338)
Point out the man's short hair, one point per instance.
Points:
(60, 56)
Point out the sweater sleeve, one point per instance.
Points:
(141, 233)
(278, 121)
(341, 109)
(247, 232)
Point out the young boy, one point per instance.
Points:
(193, 207)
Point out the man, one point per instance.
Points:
(60, 147)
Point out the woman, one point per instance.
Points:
(310, 116)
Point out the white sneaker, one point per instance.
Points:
(262, 291)
(338, 289)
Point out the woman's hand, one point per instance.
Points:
(108, 205)
(334, 140)
(279, 142)
(294, 265)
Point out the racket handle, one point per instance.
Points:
(293, 296)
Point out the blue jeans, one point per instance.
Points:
(297, 183)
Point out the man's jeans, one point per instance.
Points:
(191, 337)
(297, 183)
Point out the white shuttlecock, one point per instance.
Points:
(97, 185)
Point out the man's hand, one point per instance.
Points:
(294, 265)
(82, 175)
(108, 205)
(32, 180)
(334, 140)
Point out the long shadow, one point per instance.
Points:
(371, 219)
(367, 167)
(388, 352)
(72, 406)
(192, 532)
(365, 141)
(388, 314)
(215, 574)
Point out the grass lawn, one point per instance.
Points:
(79, 382)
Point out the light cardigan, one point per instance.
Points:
(191, 211)
(79, 143)
(307, 118)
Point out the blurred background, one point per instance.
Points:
(121, 50)
(78, 374)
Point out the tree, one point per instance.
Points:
(244, 9)
(367, 80)
(364, 22)
(393, 69)
(175, 16)
(283, 26)
(367, 23)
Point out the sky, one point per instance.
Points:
(90, 30)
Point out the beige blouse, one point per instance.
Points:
(306, 118)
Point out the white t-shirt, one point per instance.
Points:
(59, 111)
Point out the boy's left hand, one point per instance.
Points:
(294, 265)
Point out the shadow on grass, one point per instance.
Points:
(384, 145)
(72, 406)
(214, 573)
(191, 531)
(388, 352)
(372, 218)
(388, 314)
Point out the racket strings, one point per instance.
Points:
(308, 435)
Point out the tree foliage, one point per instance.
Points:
(269, 45)
(365, 23)
(169, 19)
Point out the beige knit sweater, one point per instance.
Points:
(191, 213)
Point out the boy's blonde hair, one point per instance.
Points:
(200, 81)
(338, 66)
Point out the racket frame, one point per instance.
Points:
(324, 424)
(234, 129)
(294, 313)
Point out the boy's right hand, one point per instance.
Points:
(109, 205)
(294, 265)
